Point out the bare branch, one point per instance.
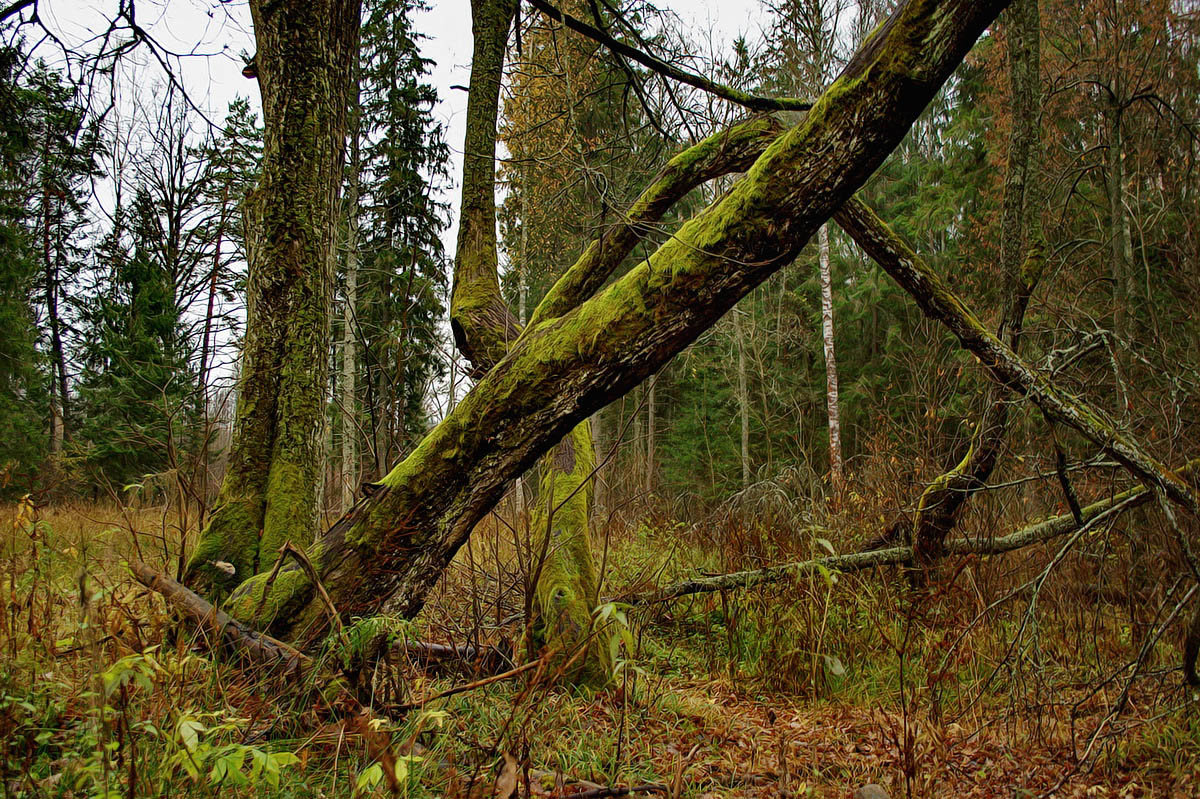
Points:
(654, 64)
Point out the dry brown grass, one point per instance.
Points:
(812, 688)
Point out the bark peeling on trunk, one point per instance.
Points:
(562, 368)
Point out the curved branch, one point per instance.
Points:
(731, 150)
(16, 8)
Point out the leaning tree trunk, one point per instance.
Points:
(1021, 260)
(271, 487)
(586, 346)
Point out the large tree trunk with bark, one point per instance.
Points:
(584, 347)
(564, 574)
(271, 488)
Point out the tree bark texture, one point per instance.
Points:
(564, 578)
(271, 488)
(565, 365)
(349, 401)
(831, 375)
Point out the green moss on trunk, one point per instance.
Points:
(395, 545)
(272, 487)
(565, 594)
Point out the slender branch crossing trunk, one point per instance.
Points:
(938, 302)
(1021, 266)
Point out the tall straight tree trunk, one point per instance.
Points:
(59, 395)
(379, 435)
(349, 470)
(832, 405)
(349, 377)
(743, 394)
(601, 444)
(273, 482)
(523, 318)
(651, 433)
(205, 346)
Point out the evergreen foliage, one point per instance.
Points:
(23, 385)
(137, 390)
(403, 280)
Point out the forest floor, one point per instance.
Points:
(805, 689)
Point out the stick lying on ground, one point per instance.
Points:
(260, 648)
(1033, 534)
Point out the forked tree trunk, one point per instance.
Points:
(565, 589)
(272, 485)
(584, 347)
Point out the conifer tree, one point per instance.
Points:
(402, 273)
(23, 400)
(61, 165)
(136, 390)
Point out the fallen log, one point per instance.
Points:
(245, 640)
(1039, 532)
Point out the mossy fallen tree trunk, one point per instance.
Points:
(1055, 527)
(271, 489)
(395, 544)
(938, 302)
